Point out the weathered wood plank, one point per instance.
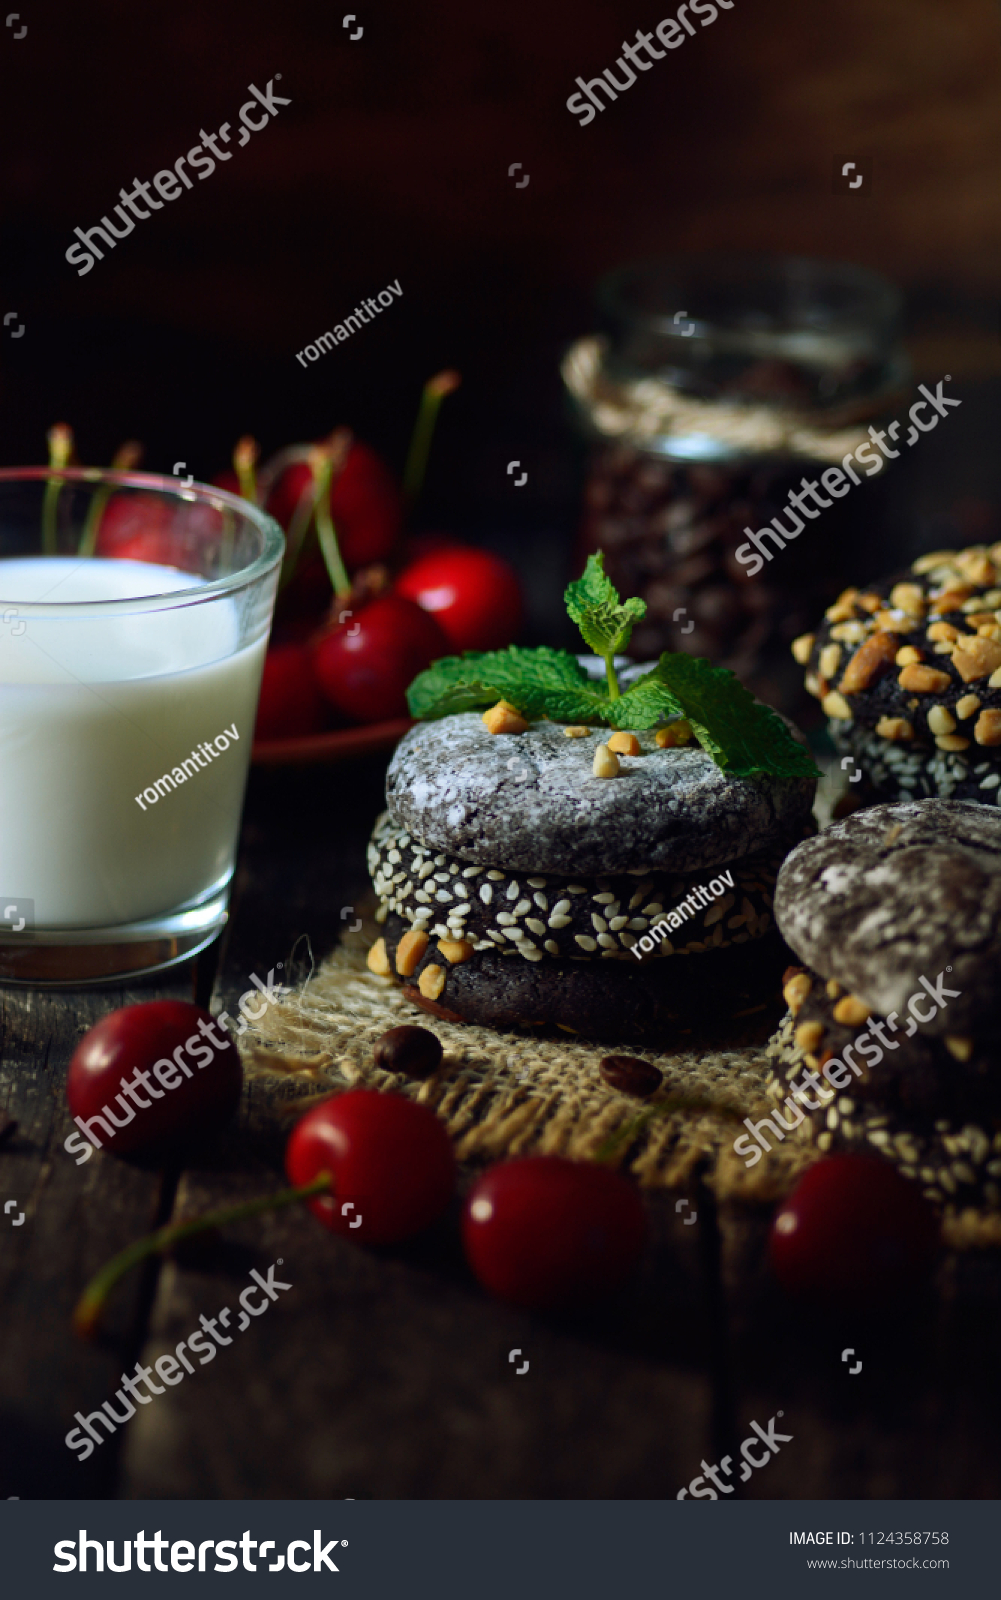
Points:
(75, 1218)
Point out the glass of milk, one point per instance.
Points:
(134, 617)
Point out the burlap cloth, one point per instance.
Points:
(505, 1094)
(502, 1094)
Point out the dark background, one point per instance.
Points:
(392, 163)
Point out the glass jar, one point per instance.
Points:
(717, 385)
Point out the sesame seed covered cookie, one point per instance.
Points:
(908, 670)
(732, 995)
(549, 914)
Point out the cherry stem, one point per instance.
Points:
(60, 442)
(609, 1148)
(336, 448)
(325, 464)
(245, 458)
(87, 1313)
(434, 392)
(125, 459)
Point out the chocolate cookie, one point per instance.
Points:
(901, 904)
(921, 1076)
(529, 802)
(909, 672)
(551, 914)
(646, 1003)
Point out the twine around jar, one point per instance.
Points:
(646, 409)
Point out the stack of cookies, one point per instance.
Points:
(891, 1042)
(908, 670)
(518, 887)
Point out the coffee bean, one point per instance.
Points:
(408, 1049)
(630, 1075)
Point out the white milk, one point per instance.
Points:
(92, 711)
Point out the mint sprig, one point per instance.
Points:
(606, 624)
(742, 737)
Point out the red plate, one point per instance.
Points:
(342, 744)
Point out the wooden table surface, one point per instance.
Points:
(386, 1375)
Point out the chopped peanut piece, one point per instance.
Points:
(808, 1035)
(870, 602)
(908, 597)
(951, 599)
(943, 630)
(678, 733)
(811, 684)
(851, 632)
(802, 647)
(967, 706)
(503, 718)
(887, 622)
(945, 647)
(796, 990)
(605, 763)
(835, 705)
(940, 720)
(841, 611)
(576, 730)
(377, 960)
(828, 660)
(935, 558)
(431, 982)
(980, 619)
(975, 567)
(952, 741)
(923, 680)
(894, 728)
(410, 950)
(625, 744)
(869, 662)
(455, 951)
(906, 656)
(851, 1010)
(959, 1047)
(994, 681)
(988, 728)
(976, 658)
(989, 630)
(833, 988)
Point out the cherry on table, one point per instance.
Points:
(390, 1160)
(141, 1044)
(545, 1232)
(852, 1229)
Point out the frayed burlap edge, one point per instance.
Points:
(505, 1094)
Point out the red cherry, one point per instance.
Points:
(364, 502)
(544, 1232)
(852, 1229)
(390, 1160)
(474, 595)
(291, 705)
(365, 664)
(174, 1056)
(157, 528)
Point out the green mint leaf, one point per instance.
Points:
(742, 736)
(540, 683)
(593, 603)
